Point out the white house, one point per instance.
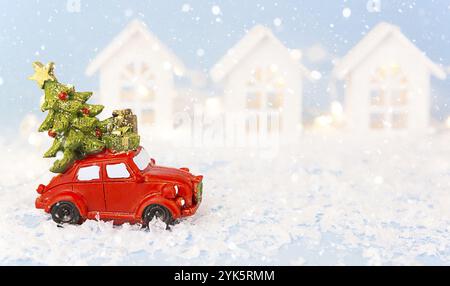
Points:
(260, 75)
(387, 82)
(137, 71)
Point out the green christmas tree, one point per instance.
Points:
(73, 124)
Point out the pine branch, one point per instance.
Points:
(56, 146)
(82, 96)
(48, 122)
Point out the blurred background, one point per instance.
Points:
(82, 38)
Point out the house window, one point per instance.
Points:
(399, 120)
(137, 83)
(148, 116)
(127, 92)
(254, 100)
(377, 120)
(377, 96)
(274, 99)
(388, 98)
(399, 96)
(266, 88)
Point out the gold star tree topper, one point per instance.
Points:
(43, 73)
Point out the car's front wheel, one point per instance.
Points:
(65, 212)
(156, 211)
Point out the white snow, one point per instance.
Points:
(329, 200)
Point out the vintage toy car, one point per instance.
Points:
(123, 187)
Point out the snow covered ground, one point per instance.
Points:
(329, 200)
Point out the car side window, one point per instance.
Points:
(88, 173)
(117, 171)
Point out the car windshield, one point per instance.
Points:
(142, 159)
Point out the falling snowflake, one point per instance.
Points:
(200, 52)
(277, 22)
(316, 75)
(1, 81)
(346, 12)
(186, 8)
(216, 10)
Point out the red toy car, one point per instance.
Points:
(123, 187)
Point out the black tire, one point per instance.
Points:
(156, 211)
(65, 212)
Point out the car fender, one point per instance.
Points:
(157, 199)
(74, 198)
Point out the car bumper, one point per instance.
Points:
(190, 211)
(39, 204)
(198, 193)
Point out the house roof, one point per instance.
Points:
(373, 40)
(239, 51)
(134, 27)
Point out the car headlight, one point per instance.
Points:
(181, 202)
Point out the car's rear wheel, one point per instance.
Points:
(65, 212)
(156, 211)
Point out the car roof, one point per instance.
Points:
(107, 155)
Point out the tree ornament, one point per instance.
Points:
(43, 73)
(85, 111)
(98, 133)
(52, 133)
(63, 96)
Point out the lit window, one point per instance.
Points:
(274, 99)
(148, 116)
(377, 121)
(258, 74)
(254, 100)
(399, 96)
(138, 83)
(127, 92)
(389, 98)
(399, 120)
(377, 97)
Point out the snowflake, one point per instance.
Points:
(216, 10)
(346, 12)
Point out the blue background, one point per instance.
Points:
(45, 30)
